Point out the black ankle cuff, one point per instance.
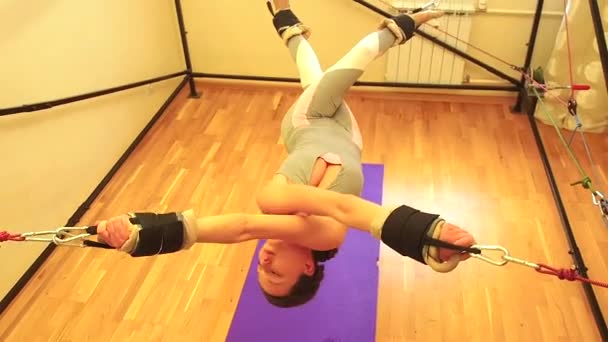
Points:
(406, 24)
(284, 19)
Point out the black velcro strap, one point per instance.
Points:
(96, 244)
(269, 6)
(406, 24)
(160, 233)
(405, 231)
(442, 244)
(284, 19)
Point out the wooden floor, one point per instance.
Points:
(466, 158)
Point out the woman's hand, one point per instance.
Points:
(457, 236)
(116, 231)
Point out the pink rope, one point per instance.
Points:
(6, 236)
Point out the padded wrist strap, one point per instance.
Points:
(416, 234)
(159, 233)
(405, 231)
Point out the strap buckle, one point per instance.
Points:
(572, 107)
(600, 200)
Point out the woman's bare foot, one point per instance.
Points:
(427, 17)
(280, 4)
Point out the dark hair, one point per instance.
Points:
(307, 286)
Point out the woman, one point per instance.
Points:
(324, 146)
(322, 138)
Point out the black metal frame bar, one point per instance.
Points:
(184, 39)
(82, 209)
(529, 54)
(576, 254)
(579, 262)
(600, 36)
(362, 83)
(55, 103)
(575, 251)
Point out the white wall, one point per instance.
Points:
(53, 159)
(505, 30)
(582, 53)
(237, 37)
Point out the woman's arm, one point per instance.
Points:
(318, 233)
(349, 210)
(152, 234)
(321, 233)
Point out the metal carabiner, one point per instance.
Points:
(481, 256)
(62, 236)
(32, 236)
(600, 200)
(428, 6)
(432, 4)
(65, 237)
(505, 259)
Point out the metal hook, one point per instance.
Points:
(572, 107)
(505, 259)
(61, 239)
(429, 5)
(32, 236)
(481, 256)
(600, 200)
(62, 236)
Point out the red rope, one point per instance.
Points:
(476, 48)
(568, 274)
(6, 236)
(573, 87)
(522, 72)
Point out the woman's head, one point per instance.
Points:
(289, 274)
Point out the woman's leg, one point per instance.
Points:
(336, 81)
(295, 35)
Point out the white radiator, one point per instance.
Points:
(422, 61)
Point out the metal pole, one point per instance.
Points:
(55, 103)
(576, 253)
(184, 33)
(599, 36)
(531, 44)
(365, 83)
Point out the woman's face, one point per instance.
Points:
(280, 265)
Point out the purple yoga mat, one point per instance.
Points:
(345, 306)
